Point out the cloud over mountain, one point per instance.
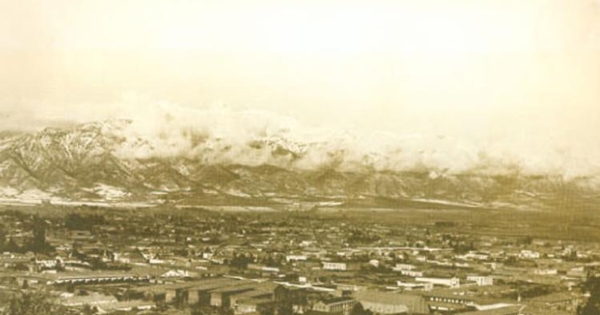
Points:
(220, 155)
(220, 135)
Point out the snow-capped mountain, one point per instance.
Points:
(106, 161)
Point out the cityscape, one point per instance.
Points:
(314, 157)
(161, 260)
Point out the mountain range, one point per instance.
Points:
(100, 162)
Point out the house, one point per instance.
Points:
(384, 303)
(264, 268)
(178, 273)
(578, 272)
(475, 255)
(412, 273)
(481, 280)
(545, 272)
(338, 266)
(529, 254)
(404, 267)
(338, 305)
(292, 258)
(425, 286)
(447, 282)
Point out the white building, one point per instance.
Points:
(447, 282)
(404, 267)
(290, 258)
(481, 280)
(529, 254)
(425, 286)
(411, 273)
(545, 272)
(334, 266)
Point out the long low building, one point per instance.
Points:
(181, 291)
(447, 282)
(385, 303)
(509, 310)
(97, 278)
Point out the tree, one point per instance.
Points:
(39, 236)
(33, 303)
(358, 309)
(2, 236)
(89, 310)
(265, 309)
(592, 306)
(310, 300)
(284, 309)
(78, 222)
(13, 247)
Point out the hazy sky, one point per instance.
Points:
(467, 68)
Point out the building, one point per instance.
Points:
(291, 258)
(481, 280)
(264, 268)
(198, 292)
(425, 286)
(529, 254)
(559, 301)
(509, 310)
(338, 266)
(222, 297)
(449, 297)
(247, 302)
(411, 273)
(385, 303)
(340, 305)
(251, 305)
(404, 267)
(100, 277)
(91, 300)
(125, 306)
(446, 282)
(545, 272)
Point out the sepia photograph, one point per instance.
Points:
(287, 157)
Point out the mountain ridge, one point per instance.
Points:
(87, 163)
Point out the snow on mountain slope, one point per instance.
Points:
(112, 161)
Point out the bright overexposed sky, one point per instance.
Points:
(486, 69)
